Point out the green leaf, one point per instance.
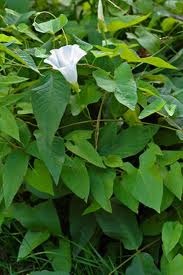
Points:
(49, 101)
(89, 94)
(6, 80)
(9, 39)
(39, 178)
(14, 171)
(169, 157)
(30, 242)
(157, 62)
(102, 181)
(155, 106)
(126, 22)
(82, 228)
(147, 40)
(124, 196)
(23, 28)
(121, 225)
(174, 180)
(152, 226)
(60, 257)
(75, 176)
(146, 183)
(42, 217)
(85, 150)
(175, 266)
(52, 154)
(8, 124)
(79, 134)
(104, 81)
(51, 26)
(142, 264)
(28, 60)
(126, 89)
(171, 234)
(124, 144)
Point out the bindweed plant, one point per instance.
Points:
(91, 133)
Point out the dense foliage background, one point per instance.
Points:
(91, 182)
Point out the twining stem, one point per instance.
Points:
(98, 121)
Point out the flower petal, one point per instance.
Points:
(77, 53)
(70, 73)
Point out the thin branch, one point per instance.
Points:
(135, 254)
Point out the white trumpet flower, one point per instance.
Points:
(65, 60)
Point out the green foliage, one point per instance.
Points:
(91, 173)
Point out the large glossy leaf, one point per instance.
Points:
(142, 264)
(30, 242)
(14, 171)
(49, 100)
(75, 176)
(121, 225)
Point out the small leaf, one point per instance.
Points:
(142, 264)
(85, 150)
(8, 124)
(8, 39)
(171, 234)
(174, 180)
(39, 178)
(175, 266)
(75, 176)
(30, 242)
(14, 171)
(42, 217)
(60, 257)
(82, 228)
(6, 80)
(102, 181)
(126, 89)
(27, 59)
(51, 26)
(124, 196)
(126, 22)
(155, 106)
(104, 81)
(52, 154)
(121, 225)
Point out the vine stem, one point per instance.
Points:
(114, 120)
(135, 254)
(98, 121)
